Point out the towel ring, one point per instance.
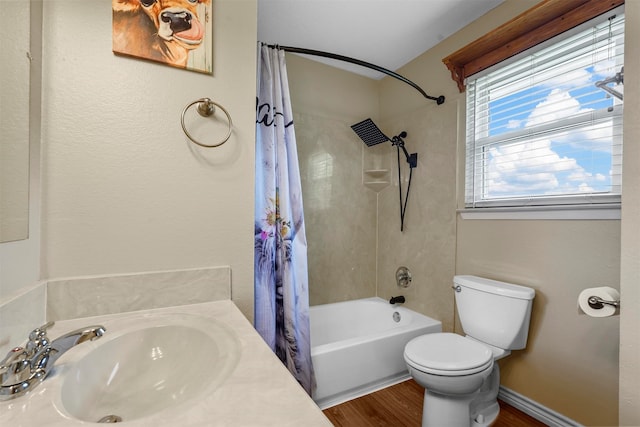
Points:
(206, 107)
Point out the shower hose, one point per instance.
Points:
(403, 206)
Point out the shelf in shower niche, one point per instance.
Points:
(376, 173)
(376, 179)
(376, 185)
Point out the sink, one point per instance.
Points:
(156, 365)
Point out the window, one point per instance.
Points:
(544, 128)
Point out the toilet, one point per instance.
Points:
(460, 374)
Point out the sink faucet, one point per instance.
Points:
(24, 368)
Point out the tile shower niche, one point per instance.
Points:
(376, 167)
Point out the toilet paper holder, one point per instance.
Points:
(597, 303)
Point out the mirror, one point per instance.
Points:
(14, 120)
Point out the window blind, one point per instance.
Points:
(539, 129)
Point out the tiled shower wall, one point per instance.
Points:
(353, 233)
(428, 243)
(340, 214)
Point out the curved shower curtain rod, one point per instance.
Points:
(439, 100)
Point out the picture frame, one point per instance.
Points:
(178, 33)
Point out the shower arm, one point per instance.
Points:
(439, 100)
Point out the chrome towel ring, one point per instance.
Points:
(206, 107)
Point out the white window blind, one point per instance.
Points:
(539, 130)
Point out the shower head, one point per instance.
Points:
(369, 133)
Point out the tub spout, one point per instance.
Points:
(397, 300)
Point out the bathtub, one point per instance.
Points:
(357, 346)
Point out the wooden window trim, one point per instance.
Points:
(545, 20)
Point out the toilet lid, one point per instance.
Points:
(447, 354)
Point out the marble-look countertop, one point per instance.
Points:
(259, 392)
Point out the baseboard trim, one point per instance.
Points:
(535, 410)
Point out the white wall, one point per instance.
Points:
(123, 189)
(22, 299)
(14, 122)
(20, 260)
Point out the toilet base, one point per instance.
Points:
(487, 416)
(446, 411)
(484, 408)
(479, 409)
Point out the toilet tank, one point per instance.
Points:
(494, 312)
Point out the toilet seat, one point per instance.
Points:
(447, 354)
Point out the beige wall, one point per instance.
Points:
(123, 189)
(340, 213)
(630, 263)
(571, 362)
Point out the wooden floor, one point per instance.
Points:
(401, 406)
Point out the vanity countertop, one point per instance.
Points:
(259, 392)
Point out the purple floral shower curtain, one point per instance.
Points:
(280, 254)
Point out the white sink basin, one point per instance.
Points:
(148, 369)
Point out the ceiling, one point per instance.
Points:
(388, 33)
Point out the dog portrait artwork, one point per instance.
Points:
(174, 32)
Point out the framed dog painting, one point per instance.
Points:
(174, 32)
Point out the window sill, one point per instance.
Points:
(592, 212)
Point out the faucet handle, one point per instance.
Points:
(41, 331)
(15, 366)
(38, 339)
(16, 353)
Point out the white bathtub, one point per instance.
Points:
(357, 347)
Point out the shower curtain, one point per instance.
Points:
(280, 253)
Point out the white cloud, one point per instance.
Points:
(566, 77)
(585, 188)
(557, 105)
(579, 175)
(514, 124)
(581, 71)
(534, 166)
(605, 68)
(597, 137)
